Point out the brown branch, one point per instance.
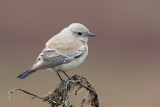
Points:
(60, 95)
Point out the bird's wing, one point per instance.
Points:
(76, 54)
(59, 52)
(50, 58)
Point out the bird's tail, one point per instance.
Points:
(26, 73)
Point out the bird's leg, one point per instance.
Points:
(60, 76)
(66, 75)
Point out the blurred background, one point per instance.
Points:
(124, 58)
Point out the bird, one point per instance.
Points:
(64, 51)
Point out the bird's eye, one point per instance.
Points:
(79, 33)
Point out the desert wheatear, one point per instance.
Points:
(64, 51)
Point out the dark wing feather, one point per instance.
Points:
(48, 59)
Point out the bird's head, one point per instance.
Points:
(80, 32)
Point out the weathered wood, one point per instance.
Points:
(60, 95)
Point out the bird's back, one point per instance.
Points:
(64, 43)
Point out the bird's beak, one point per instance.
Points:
(91, 34)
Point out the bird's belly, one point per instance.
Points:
(70, 65)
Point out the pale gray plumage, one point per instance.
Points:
(64, 51)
